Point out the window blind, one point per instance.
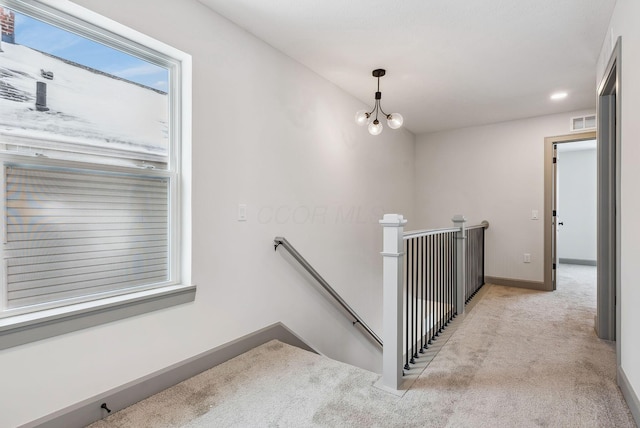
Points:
(71, 234)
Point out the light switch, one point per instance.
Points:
(242, 212)
(527, 258)
(534, 214)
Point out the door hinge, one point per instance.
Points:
(554, 266)
(554, 213)
(555, 160)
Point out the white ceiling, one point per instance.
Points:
(450, 63)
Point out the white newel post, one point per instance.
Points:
(461, 261)
(392, 265)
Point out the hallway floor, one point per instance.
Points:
(519, 358)
(578, 275)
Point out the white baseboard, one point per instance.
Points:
(88, 411)
(584, 262)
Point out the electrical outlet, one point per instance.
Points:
(527, 258)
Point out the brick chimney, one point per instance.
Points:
(7, 19)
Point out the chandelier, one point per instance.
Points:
(394, 120)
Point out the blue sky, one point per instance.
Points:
(64, 44)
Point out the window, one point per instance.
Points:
(94, 140)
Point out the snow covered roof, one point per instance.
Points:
(86, 107)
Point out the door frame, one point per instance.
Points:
(609, 224)
(550, 241)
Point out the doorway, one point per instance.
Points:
(575, 204)
(576, 221)
(552, 187)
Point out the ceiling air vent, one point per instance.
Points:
(583, 122)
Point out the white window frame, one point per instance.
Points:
(28, 327)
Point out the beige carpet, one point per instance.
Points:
(518, 359)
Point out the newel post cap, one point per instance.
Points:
(459, 218)
(393, 220)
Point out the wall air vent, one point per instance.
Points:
(583, 123)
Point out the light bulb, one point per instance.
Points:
(375, 127)
(362, 117)
(395, 120)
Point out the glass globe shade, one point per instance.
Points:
(375, 127)
(362, 117)
(395, 120)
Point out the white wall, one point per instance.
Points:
(577, 198)
(493, 173)
(273, 135)
(624, 23)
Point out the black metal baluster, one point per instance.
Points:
(447, 278)
(470, 262)
(435, 287)
(473, 266)
(483, 256)
(422, 295)
(436, 320)
(477, 261)
(453, 275)
(454, 291)
(443, 308)
(438, 284)
(473, 263)
(440, 287)
(426, 292)
(423, 279)
(454, 271)
(406, 275)
(452, 286)
(417, 299)
(461, 289)
(448, 267)
(466, 281)
(416, 339)
(478, 257)
(449, 274)
(431, 298)
(413, 301)
(445, 317)
(410, 307)
(467, 249)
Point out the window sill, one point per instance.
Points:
(21, 329)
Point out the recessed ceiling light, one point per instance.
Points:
(559, 95)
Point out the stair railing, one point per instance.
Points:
(428, 277)
(278, 241)
(475, 260)
(430, 291)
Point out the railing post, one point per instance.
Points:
(392, 265)
(461, 262)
